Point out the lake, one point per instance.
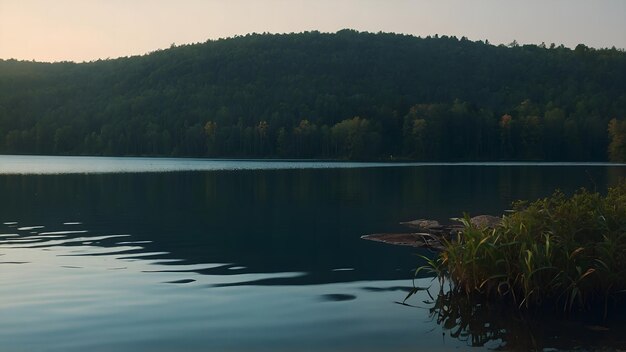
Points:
(150, 254)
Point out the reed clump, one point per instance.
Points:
(562, 252)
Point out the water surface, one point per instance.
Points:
(38, 165)
(114, 254)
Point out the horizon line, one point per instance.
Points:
(268, 33)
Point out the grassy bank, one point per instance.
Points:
(566, 253)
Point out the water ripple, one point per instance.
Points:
(120, 254)
(28, 228)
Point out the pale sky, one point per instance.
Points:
(84, 30)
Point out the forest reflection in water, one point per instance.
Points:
(498, 326)
(276, 220)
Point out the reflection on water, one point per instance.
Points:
(63, 165)
(235, 259)
(78, 290)
(492, 324)
(72, 249)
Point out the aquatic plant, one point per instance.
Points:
(563, 252)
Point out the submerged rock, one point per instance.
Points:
(420, 240)
(431, 232)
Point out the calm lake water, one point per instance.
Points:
(139, 254)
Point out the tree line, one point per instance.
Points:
(345, 95)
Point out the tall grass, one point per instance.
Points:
(563, 252)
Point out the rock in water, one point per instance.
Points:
(422, 224)
(431, 232)
(488, 221)
(420, 240)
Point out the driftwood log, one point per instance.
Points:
(430, 233)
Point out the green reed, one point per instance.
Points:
(563, 252)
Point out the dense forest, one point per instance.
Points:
(344, 95)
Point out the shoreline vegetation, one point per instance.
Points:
(513, 282)
(565, 255)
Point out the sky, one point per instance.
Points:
(85, 30)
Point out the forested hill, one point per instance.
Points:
(316, 95)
